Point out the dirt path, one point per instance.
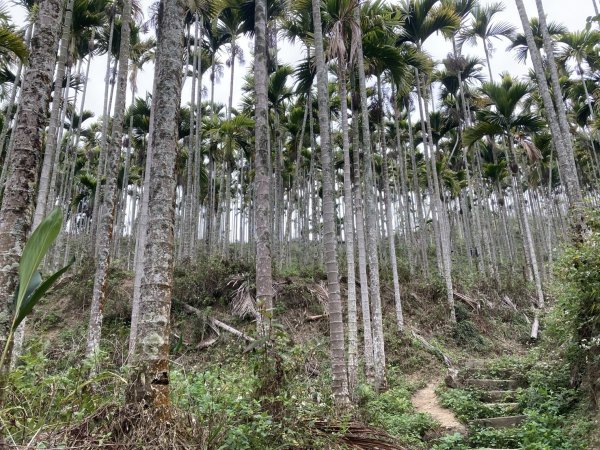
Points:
(425, 401)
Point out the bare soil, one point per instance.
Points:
(425, 401)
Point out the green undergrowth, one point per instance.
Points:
(393, 411)
(263, 398)
(467, 406)
(555, 417)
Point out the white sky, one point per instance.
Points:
(571, 13)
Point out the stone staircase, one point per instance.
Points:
(497, 390)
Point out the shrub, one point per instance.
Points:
(575, 323)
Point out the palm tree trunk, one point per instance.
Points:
(150, 378)
(404, 186)
(51, 139)
(372, 251)
(104, 135)
(440, 208)
(314, 193)
(487, 59)
(560, 134)
(188, 225)
(107, 209)
(422, 235)
(348, 232)
(140, 244)
(8, 115)
(567, 159)
(388, 216)
(527, 237)
(362, 253)
(336, 323)
(18, 201)
(262, 181)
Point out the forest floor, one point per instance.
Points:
(280, 397)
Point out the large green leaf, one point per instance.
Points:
(31, 300)
(35, 249)
(33, 285)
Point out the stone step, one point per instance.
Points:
(498, 396)
(507, 407)
(486, 372)
(491, 385)
(499, 422)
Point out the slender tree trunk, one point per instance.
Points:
(104, 136)
(560, 135)
(528, 239)
(140, 244)
(150, 378)
(187, 244)
(348, 232)
(405, 197)
(8, 116)
(442, 217)
(388, 216)
(422, 234)
(372, 251)
(51, 139)
(336, 323)
(18, 201)
(107, 208)
(262, 180)
(487, 59)
(362, 252)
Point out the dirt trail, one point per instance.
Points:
(425, 401)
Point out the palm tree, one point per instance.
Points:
(107, 209)
(518, 42)
(396, 63)
(278, 93)
(566, 157)
(371, 210)
(150, 377)
(561, 133)
(232, 19)
(12, 47)
(423, 18)
(262, 184)
(215, 37)
(336, 323)
(340, 22)
(577, 47)
(485, 28)
(508, 121)
(18, 200)
(51, 141)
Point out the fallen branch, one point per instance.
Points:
(509, 302)
(232, 330)
(469, 301)
(315, 318)
(218, 323)
(206, 343)
(432, 349)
